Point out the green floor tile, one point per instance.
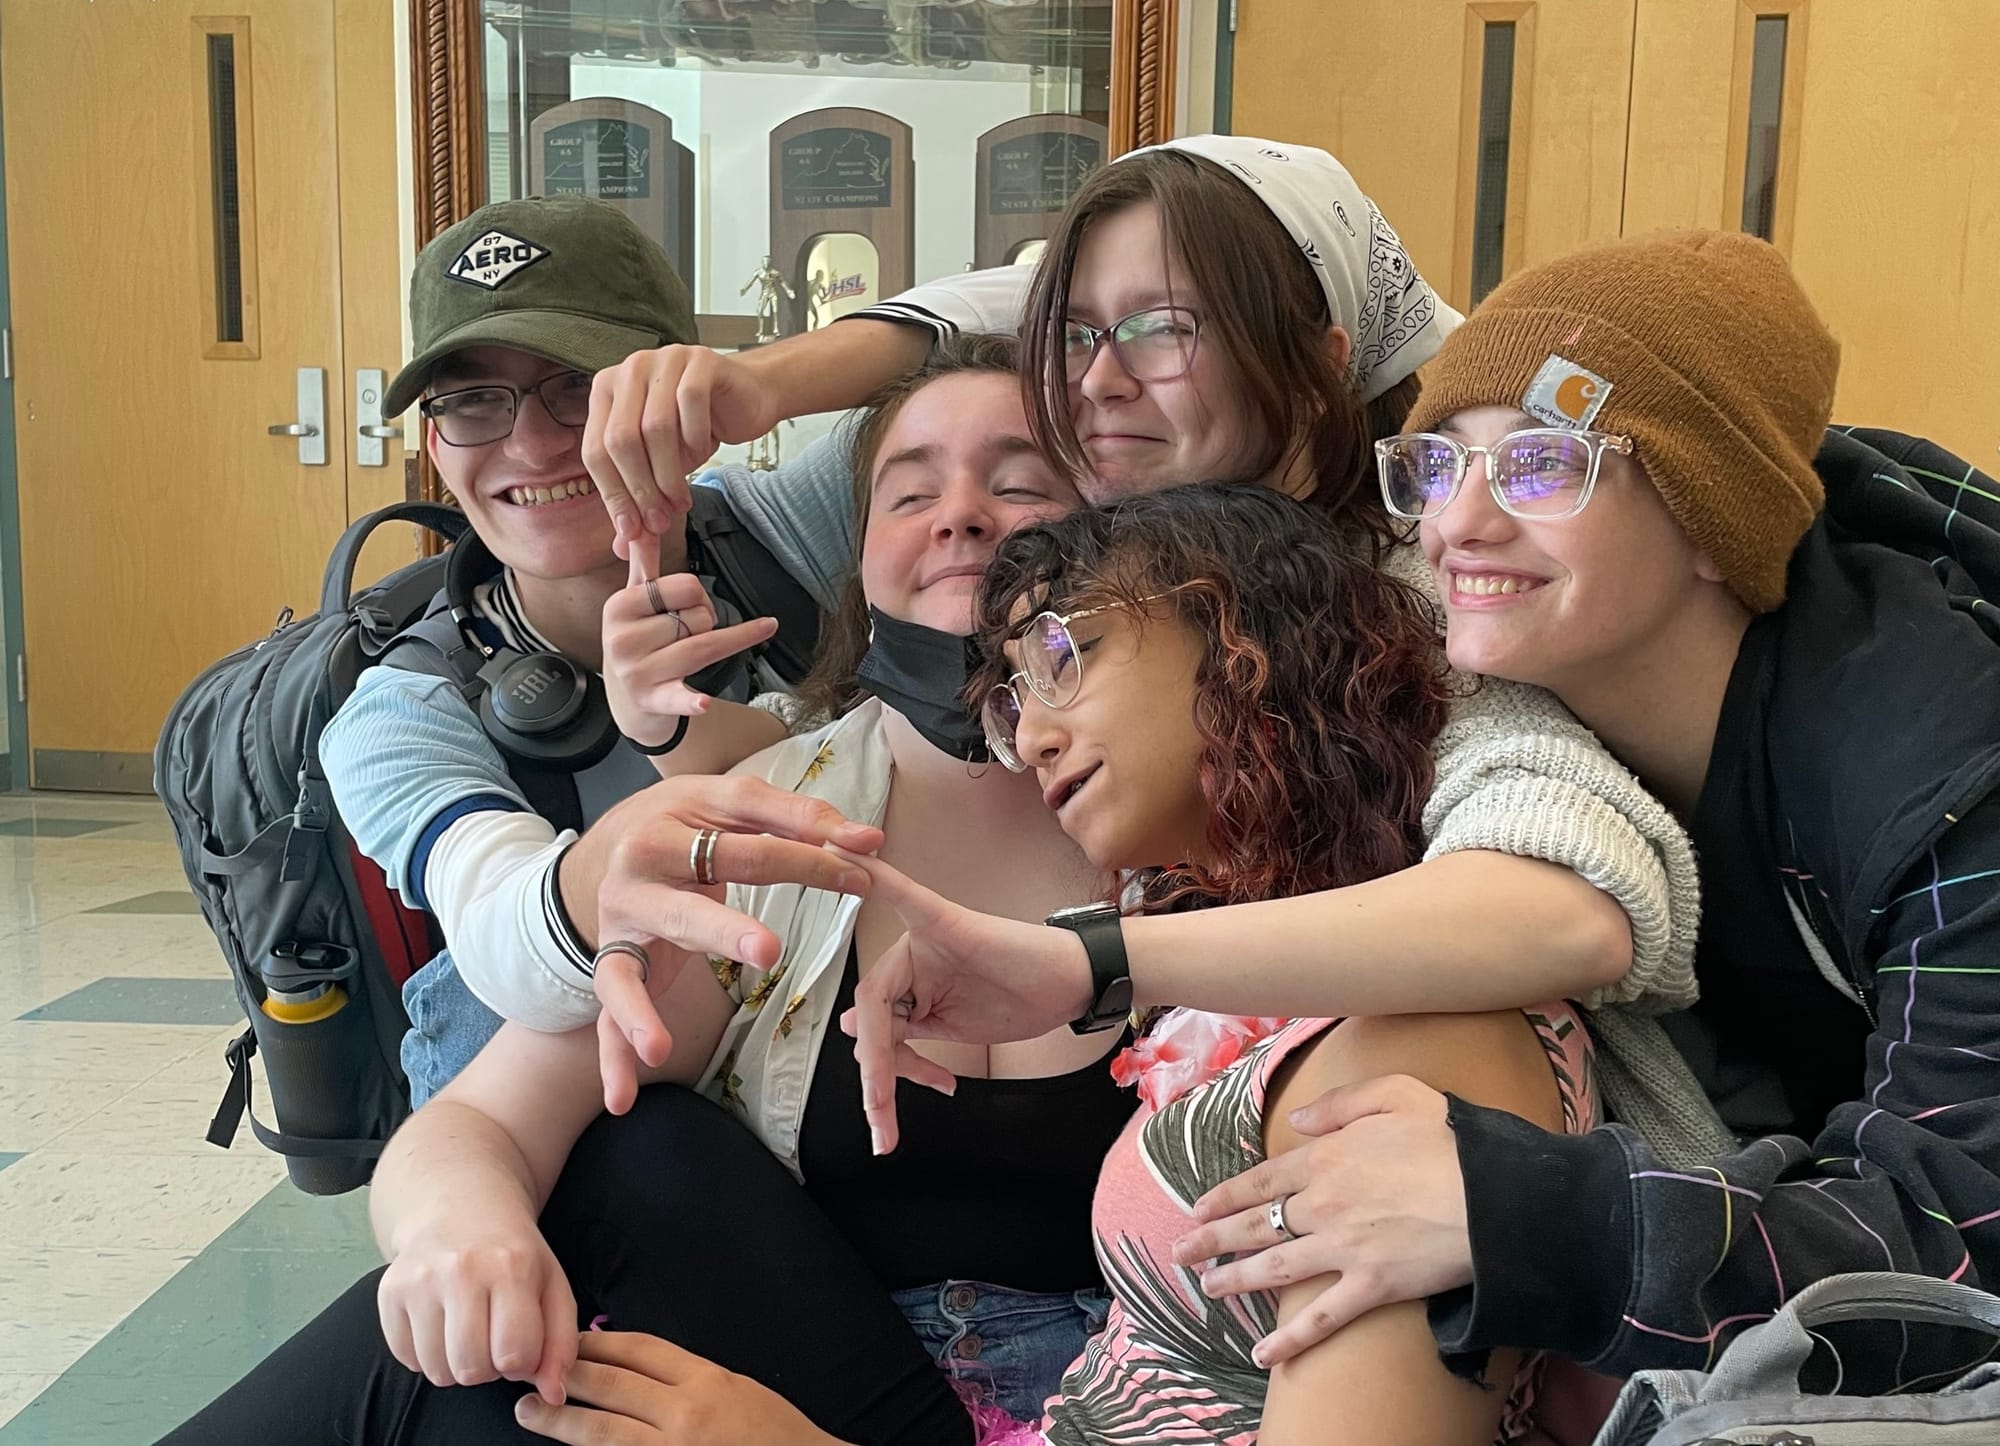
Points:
(290, 1219)
(56, 827)
(103, 1411)
(165, 901)
(263, 1278)
(143, 1001)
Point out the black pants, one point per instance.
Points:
(673, 1220)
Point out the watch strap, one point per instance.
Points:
(1103, 935)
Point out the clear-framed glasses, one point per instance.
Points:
(477, 416)
(1155, 345)
(1051, 666)
(1539, 473)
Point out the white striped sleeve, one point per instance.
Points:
(491, 879)
(975, 301)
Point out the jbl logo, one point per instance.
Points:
(530, 686)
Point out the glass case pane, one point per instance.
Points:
(801, 159)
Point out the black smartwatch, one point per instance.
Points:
(1098, 925)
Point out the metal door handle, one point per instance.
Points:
(370, 425)
(310, 428)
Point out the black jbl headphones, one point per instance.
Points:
(540, 708)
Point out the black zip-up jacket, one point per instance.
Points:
(1852, 790)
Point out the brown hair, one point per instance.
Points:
(1320, 691)
(830, 689)
(1260, 304)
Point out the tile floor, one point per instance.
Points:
(142, 1269)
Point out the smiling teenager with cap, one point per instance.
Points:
(514, 310)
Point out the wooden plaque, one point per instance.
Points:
(625, 153)
(1025, 173)
(842, 170)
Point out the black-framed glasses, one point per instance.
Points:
(1155, 345)
(478, 416)
(1540, 473)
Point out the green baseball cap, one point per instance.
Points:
(563, 277)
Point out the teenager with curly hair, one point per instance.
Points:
(1221, 702)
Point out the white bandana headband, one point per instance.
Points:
(1372, 287)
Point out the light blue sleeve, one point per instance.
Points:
(803, 511)
(403, 749)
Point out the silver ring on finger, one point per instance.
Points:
(701, 856)
(681, 623)
(623, 946)
(1276, 1215)
(654, 600)
(905, 1007)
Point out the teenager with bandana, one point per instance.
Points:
(1788, 631)
(1223, 308)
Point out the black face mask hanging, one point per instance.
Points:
(922, 673)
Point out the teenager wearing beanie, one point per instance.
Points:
(1627, 493)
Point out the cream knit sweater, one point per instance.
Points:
(1517, 774)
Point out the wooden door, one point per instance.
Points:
(174, 190)
(1393, 88)
(371, 258)
(1888, 184)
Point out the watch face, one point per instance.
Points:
(1080, 913)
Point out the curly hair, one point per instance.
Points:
(830, 689)
(1320, 690)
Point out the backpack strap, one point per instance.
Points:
(337, 586)
(236, 1103)
(435, 644)
(721, 547)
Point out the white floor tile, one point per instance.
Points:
(167, 1115)
(54, 1199)
(83, 947)
(36, 1111)
(116, 1189)
(34, 1050)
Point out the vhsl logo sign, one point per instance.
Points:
(493, 258)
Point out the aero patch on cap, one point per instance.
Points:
(493, 258)
(1564, 394)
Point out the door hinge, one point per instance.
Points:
(1232, 17)
(20, 677)
(6, 353)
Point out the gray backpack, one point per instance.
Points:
(1753, 1394)
(299, 913)
(318, 944)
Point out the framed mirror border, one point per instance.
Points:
(448, 100)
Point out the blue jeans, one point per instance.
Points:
(448, 1026)
(1011, 1346)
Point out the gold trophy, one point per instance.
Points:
(764, 453)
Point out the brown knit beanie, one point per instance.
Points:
(1698, 345)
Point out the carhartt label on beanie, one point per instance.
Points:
(1564, 394)
(1698, 345)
